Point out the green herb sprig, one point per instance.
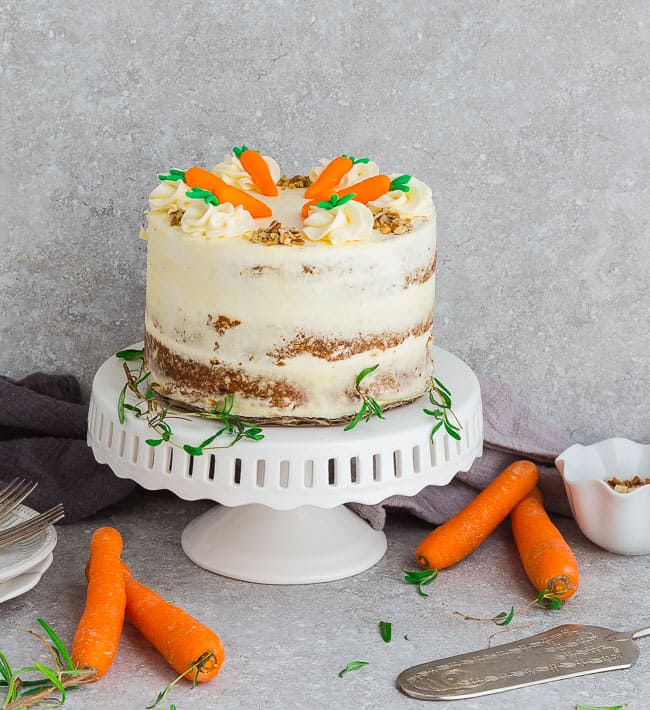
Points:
(62, 677)
(196, 667)
(440, 398)
(600, 707)
(352, 666)
(173, 175)
(198, 193)
(158, 415)
(386, 631)
(546, 598)
(335, 201)
(420, 578)
(369, 405)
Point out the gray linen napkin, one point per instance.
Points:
(511, 431)
(43, 439)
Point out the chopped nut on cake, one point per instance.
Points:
(388, 222)
(275, 233)
(175, 217)
(294, 182)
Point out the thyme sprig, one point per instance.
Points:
(547, 598)
(157, 415)
(369, 405)
(439, 396)
(52, 681)
(196, 667)
(352, 666)
(420, 577)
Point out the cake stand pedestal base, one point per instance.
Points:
(256, 543)
(283, 519)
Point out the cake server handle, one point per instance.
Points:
(640, 633)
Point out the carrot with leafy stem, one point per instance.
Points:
(192, 649)
(464, 532)
(98, 632)
(198, 177)
(331, 175)
(547, 558)
(374, 187)
(255, 165)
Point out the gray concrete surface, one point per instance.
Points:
(530, 120)
(286, 645)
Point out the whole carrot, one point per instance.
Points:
(198, 177)
(452, 541)
(545, 554)
(98, 632)
(255, 165)
(191, 648)
(329, 178)
(374, 187)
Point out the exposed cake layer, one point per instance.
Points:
(286, 329)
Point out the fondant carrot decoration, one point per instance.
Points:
(98, 632)
(255, 165)
(331, 176)
(198, 177)
(191, 648)
(373, 187)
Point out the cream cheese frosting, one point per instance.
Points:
(350, 222)
(417, 202)
(205, 220)
(170, 195)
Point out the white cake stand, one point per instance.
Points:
(283, 518)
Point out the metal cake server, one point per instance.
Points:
(563, 652)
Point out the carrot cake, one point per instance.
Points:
(281, 290)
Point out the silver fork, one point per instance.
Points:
(30, 527)
(12, 495)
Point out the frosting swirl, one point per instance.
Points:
(203, 220)
(231, 171)
(351, 222)
(417, 202)
(357, 173)
(169, 196)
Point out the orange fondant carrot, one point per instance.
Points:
(198, 177)
(369, 189)
(545, 554)
(255, 165)
(452, 541)
(329, 178)
(191, 648)
(374, 187)
(98, 632)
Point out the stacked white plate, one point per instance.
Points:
(23, 564)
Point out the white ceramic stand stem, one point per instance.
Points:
(307, 544)
(285, 520)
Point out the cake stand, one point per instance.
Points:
(283, 518)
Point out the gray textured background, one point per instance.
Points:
(530, 120)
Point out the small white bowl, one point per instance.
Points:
(618, 522)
